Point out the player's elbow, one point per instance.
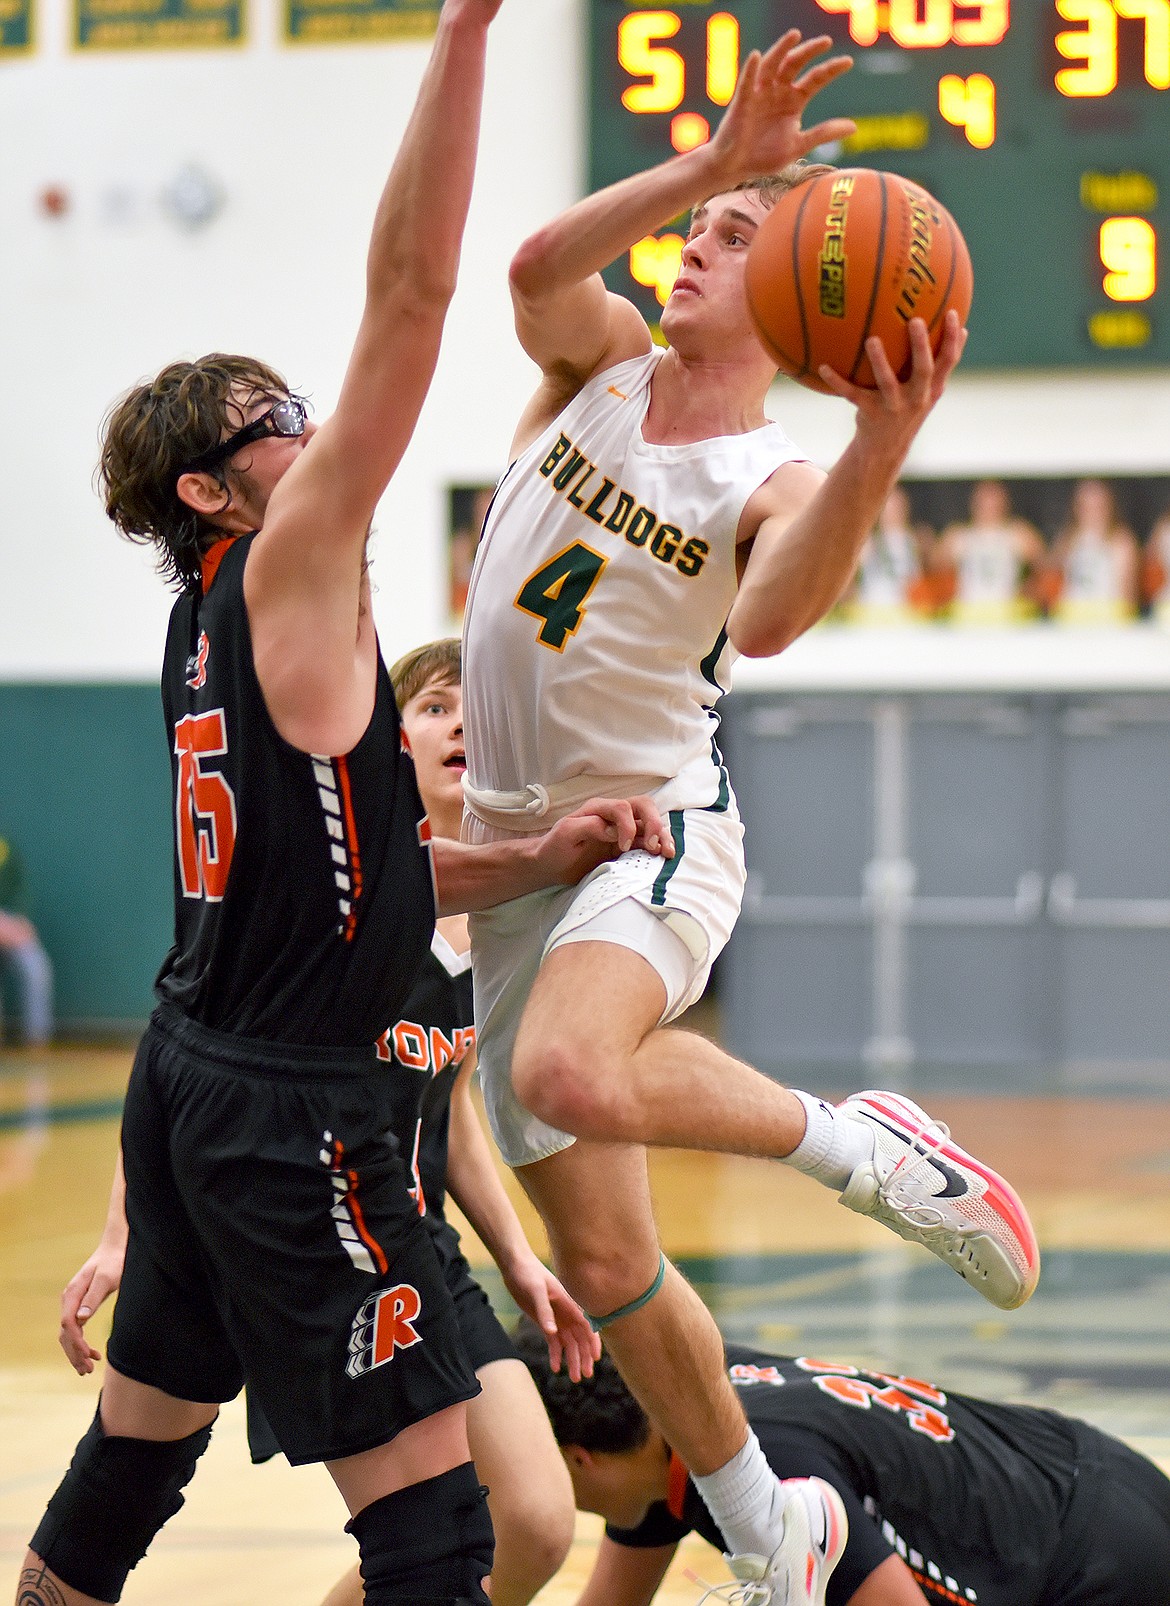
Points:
(528, 272)
(762, 637)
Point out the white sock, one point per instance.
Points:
(746, 1501)
(832, 1146)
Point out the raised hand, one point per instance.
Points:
(897, 409)
(761, 130)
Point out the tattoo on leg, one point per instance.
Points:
(38, 1588)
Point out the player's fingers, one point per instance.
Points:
(74, 1292)
(826, 133)
(822, 73)
(573, 1362)
(922, 365)
(838, 384)
(884, 376)
(775, 54)
(798, 55)
(953, 341)
(748, 75)
(80, 1354)
(653, 833)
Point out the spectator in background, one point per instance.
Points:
(1156, 570)
(1094, 565)
(21, 955)
(892, 585)
(990, 567)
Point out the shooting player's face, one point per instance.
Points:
(433, 722)
(708, 300)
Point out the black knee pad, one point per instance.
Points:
(430, 1544)
(110, 1504)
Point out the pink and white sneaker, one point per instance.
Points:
(921, 1185)
(815, 1531)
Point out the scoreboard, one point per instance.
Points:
(1043, 125)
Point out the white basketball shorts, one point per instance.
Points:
(676, 913)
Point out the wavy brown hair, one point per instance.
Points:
(771, 186)
(151, 434)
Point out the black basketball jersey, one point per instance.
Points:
(970, 1494)
(304, 897)
(424, 1051)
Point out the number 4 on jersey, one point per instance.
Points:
(557, 593)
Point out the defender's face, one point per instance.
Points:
(709, 293)
(258, 467)
(611, 1486)
(433, 722)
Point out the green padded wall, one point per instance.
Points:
(84, 794)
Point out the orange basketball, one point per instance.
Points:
(851, 254)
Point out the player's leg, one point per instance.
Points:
(1118, 1528)
(615, 1074)
(125, 1481)
(418, 1513)
(595, 1202)
(530, 1495)
(170, 1363)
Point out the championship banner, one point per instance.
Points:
(319, 22)
(157, 24)
(16, 27)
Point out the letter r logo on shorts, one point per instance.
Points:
(383, 1325)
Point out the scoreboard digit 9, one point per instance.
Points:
(1043, 125)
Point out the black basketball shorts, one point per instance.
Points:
(273, 1241)
(485, 1339)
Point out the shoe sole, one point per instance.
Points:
(999, 1195)
(836, 1536)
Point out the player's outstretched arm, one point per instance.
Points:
(566, 320)
(305, 583)
(626, 1575)
(477, 877)
(804, 552)
(474, 1184)
(93, 1284)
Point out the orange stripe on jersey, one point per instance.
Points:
(351, 838)
(359, 1222)
(938, 1589)
(677, 1479)
(210, 561)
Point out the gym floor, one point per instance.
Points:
(778, 1262)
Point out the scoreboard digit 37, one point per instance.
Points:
(1043, 125)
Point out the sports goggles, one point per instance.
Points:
(285, 417)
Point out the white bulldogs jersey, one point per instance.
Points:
(594, 640)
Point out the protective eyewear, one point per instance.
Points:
(285, 418)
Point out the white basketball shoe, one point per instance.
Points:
(815, 1531)
(925, 1188)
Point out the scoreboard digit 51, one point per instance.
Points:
(1043, 125)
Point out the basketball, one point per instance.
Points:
(847, 255)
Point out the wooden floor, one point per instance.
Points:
(774, 1257)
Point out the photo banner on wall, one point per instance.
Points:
(16, 27)
(321, 22)
(158, 24)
